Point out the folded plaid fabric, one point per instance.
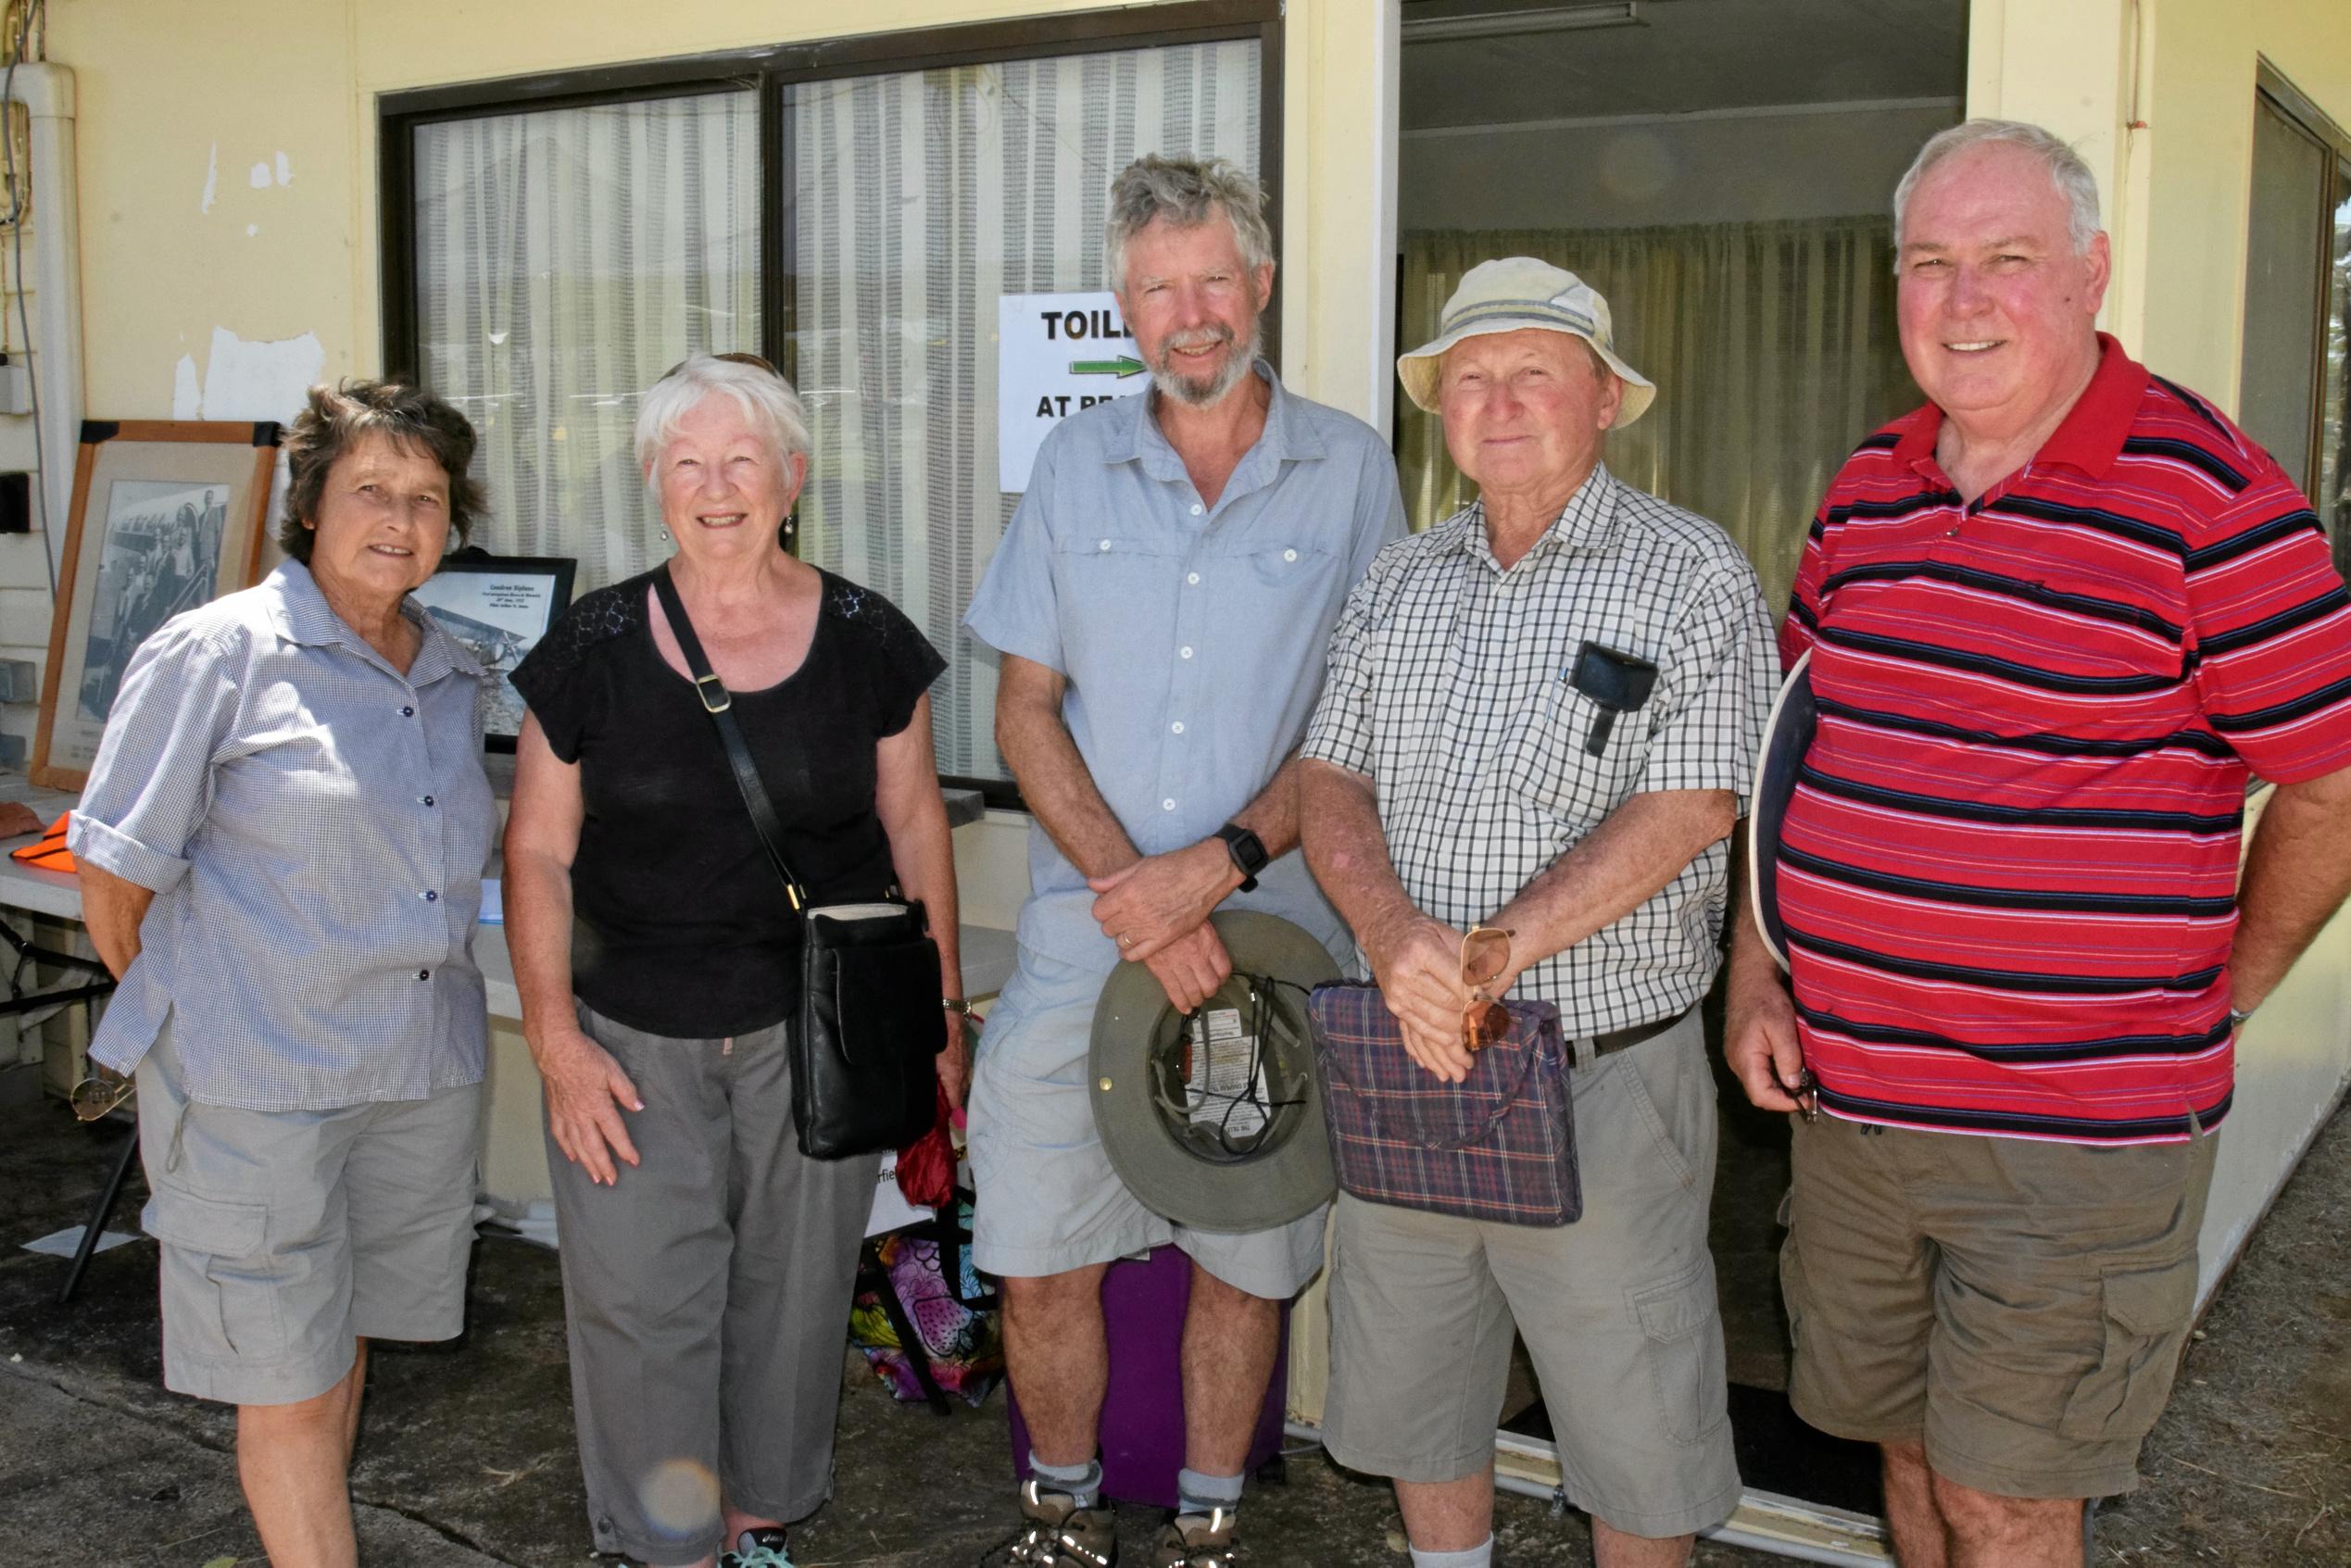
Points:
(1498, 1146)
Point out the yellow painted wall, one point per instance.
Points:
(160, 272)
(176, 97)
(2176, 192)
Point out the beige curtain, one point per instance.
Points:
(1772, 346)
(565, 259)
(920, 198)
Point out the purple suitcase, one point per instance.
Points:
(1142, 1428)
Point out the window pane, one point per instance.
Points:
(2334, 460)
(564, 260)
(916, 200)
(2282, 290)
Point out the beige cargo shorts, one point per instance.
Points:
(1618, 1311)
(2018, 1306)
(289, 1235)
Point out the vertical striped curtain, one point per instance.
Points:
(916, 200)
(565, 259)
(1772, 345)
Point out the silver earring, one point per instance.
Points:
(665, 533)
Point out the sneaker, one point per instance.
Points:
(757, 1548)
(1059, 1534)
(1195, 1540)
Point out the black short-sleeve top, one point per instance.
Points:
(680, 927)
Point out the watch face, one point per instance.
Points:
(1248, 849)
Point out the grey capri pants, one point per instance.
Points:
(705, 1295)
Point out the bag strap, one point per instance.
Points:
(720, 704)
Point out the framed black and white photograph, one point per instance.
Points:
(167, 515)
(499, 607)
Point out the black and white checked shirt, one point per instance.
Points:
(1450, 688)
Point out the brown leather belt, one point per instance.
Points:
(1618, 1039)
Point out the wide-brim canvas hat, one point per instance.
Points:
(1514, 294)
(1250, 1152)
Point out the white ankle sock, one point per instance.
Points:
(1479, 1556)
(1082, 1482)
(1201, 1495)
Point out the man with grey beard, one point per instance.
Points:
(1162, 602)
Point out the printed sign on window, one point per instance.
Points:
(1056, 354)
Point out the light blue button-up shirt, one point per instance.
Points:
(1191, 636)
(313, 824)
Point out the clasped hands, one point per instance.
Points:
(1157, 910)
(1418, 961)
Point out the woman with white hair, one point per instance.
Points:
(708, 1264)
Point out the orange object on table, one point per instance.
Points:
(49, 852)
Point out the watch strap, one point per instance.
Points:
(1247, 852)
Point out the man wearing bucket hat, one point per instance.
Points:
(1541, 716)
(1160, 600)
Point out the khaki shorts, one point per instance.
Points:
(1617, 1310)
(2015, 1305)
(1047, 1198)
(289, 1235)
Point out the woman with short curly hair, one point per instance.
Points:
(280, 850)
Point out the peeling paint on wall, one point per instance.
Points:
(187, 392)
(247, 381)
(251, 380)
(259, 177)
(211, 177)
(285, 170)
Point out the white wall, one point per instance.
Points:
(1806, 161)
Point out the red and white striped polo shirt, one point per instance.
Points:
(2008, 873)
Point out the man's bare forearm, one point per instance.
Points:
(1751, 964)
(1339, 822)
(1619, 866)
(1055, 784)
(1272, 815)
(2296, 873)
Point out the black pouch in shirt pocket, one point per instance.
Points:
(1580, 750)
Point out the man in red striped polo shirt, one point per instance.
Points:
(2056, 618)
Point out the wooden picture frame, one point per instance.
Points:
(167, 515)
(499, 607)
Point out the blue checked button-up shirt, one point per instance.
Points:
(314, 826)
(1192, 635)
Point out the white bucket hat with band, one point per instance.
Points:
(1514, 294)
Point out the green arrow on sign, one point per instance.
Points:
(1124, 366)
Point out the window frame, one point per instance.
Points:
(2274, 91)
(769, 70)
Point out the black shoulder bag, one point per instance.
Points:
(864, 1077)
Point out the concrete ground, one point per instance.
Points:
(466, 1456)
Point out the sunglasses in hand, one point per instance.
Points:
(1485, 954)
